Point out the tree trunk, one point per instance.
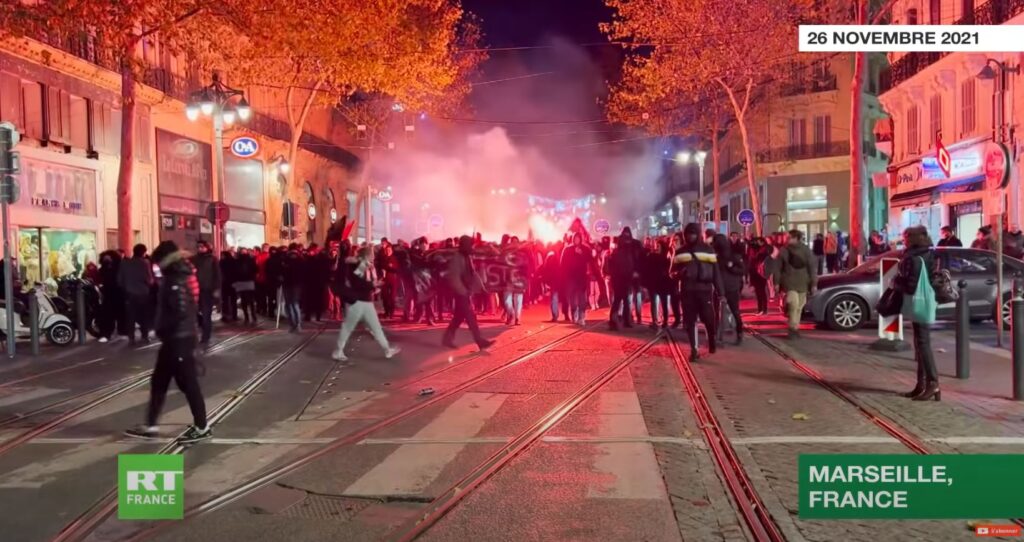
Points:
(714, 172)
(741, 111)
(856, 153)
(298, 123)
(125, 237)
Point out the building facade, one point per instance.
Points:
(954, 98)
(800, 141)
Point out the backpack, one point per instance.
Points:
(796, 261)
(942, 283)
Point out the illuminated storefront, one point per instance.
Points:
(184, 182)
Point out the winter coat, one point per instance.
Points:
(909, 270)
(576, 264)
(731, 265)
(951, 241)
(207, 271)
(655, 273)
(798, 270)
(135, 277)
(697, 266)
(461, 277)
(621, 264)
(177, 299)
(1013, 244)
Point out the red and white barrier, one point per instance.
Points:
(889, 327)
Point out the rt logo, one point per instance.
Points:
(150, 486)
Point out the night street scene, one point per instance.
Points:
(496, 270)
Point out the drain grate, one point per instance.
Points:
(324, 507)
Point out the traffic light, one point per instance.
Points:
(9, 163)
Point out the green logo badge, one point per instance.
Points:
(150, 486)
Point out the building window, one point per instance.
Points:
(967, 11)
(143, 146)
(11, 106)
(935, 12)
(968, 107)
(912, 16)
(79, 135)
(797, 134)
(935, 117)
(822, 134)
(913, 131)
(32, 101)
(807, 204)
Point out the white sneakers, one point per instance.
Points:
(338, 355)
(391, 352)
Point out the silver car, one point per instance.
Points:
(846, 301)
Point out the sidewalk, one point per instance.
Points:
(975, 415)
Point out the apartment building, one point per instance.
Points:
(64, 97)
(955, 97)
(800, 138)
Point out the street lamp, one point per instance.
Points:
(218, 101)
(999, 75)
(699, 157)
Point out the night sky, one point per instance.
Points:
(511, 23)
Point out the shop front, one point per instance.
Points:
(56, 221)
(244, 194)
(185, 188)
(811, 203)
(965, 199)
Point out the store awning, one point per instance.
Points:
(921, 195)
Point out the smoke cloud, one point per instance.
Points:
(477, 176)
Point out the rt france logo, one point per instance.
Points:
(150, 486)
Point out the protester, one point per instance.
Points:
(622, 268)
(1013, 242)
(576, 270)
(245, 285)
(818, 249)
(357, 294)
(698, 268)
(176, 316)
(732, 269)
(656, 278)
(797, 278)
(832, 252)
(463, 282)
(135, 279)
(760, 255)
(207, 273)
(919, 262)
(985, 240)
(293, 270)
(111, 314)
(228, 296)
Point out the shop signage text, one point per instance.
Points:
(72, 206)
(244, 146)
(980, 166)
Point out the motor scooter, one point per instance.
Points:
(51, 323)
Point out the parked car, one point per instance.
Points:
(846, 301)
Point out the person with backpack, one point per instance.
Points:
(732, 268)
(797, 277)
(357, 294)
(697, 265)
(919, 262)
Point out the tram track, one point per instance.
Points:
(81, 527)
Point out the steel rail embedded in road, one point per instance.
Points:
(268, 477)
(115, 389)
(900, 433)
(34, 376)
(501, 458)
(99, 511)
(760, 522)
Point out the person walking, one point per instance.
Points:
(135, 278)
(698, 267)
(831, 252)
(245, 285)
(293, 269)
(818, 249)
(111, 314)
(655, 272)
(357, 294)
(176, 314)
(207, 273)
(797, 278)
(462, 282)
(622, 269)
(228, 295)
(552, 276)
(732, 268)
(919, 262)
(760, 256)
(576, 267)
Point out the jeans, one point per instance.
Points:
(205, 315)
(292, 309)
(636, 302)
(361, 311)
(732, 299)
(176, 360)
(554, 305)
(795, 302)
(578, 302)
(463, 313)
(137, 310)
(760, 285)
(621, 306)
(923, 353)
(659, 302)
(514, 305)
(699, 304)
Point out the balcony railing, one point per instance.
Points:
(732, 171)
(809, 86)
(804, 152)
(171, 84)
(993, 12)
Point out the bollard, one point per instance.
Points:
(33, 321)
(963, 333)
(80, 312)
(1017, 306)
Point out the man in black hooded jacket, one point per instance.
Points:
(697, 265)
(622, 268)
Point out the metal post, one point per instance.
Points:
(369, 214)
(700, 195)
(8, 280)
(218, 187)
(80, 311)
(387, 219)
(1018, 348)
(33, 321)
(1000, 103)
(963, 335)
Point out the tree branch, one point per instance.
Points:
(882, 11)
(173, 22)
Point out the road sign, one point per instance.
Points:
(889, 327)
(244, 147)
(745, 217)
(602, 226)
(942, 154)
(218, 212)
(334, 215)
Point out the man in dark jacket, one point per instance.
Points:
(208, 276)
(1013, 242)
(576, 263)
(697, 265)
(732, 267)
(176, 327)
(948, 238)
(135, 277)
(463, 283)
(797, 277)
(293, 269)
(622, 268)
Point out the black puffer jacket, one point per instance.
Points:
(207, 271)
(177, 299)
(909, 270)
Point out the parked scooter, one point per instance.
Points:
(67, 289)
(55, 326)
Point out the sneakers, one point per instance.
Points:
(103, 340)
(338, 355)
(485, 344)
(391, 352)
(195, 434)
(143, 432)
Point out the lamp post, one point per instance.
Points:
(999, 75)
(684, 158)
(217, 100)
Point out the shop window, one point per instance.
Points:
(10, 100)
(934, 118)
(807, 204)
(46, 254)
(968, 107)
(913, 130)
